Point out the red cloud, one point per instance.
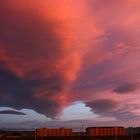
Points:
(53, 53)
(41, 45)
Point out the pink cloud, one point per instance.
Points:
(58, 52)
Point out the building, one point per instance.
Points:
(105, 131)
(133, 130)
(48, 132)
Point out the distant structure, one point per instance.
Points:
(105, 131)
(90, 132)
(48, 132)
(133, 130)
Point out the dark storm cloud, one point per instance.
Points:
(33, 59)
(102, 106)
(38, 55)
(19, 93)
(125, 88)
(109, 107)
(12, 112)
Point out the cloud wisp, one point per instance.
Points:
(12, 112)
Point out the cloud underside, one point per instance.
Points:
(53, 54)
(11, 112)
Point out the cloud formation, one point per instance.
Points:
(103, 105)
(54, 53)
(110, 69)
(40, 52)
(12, 112)
(125, 88)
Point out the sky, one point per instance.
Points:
(67, 63)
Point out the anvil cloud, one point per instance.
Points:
(57, 52)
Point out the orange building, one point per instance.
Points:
(105, 131)
(47, 132)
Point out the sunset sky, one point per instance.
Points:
(69, 63)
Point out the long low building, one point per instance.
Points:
(48, 132)
(105, 131)
(90, 132)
